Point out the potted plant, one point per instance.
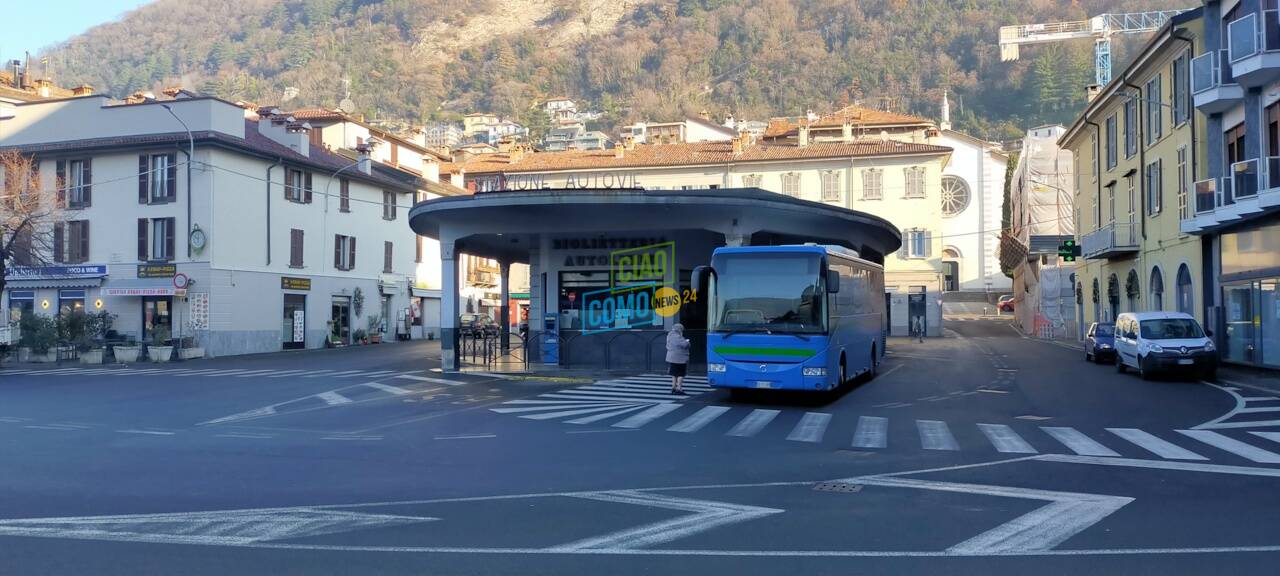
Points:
(160, 349)
(189, 349)
(375, 328)
(86, 332)
(360, 336)
(127, 353)
(39, 338)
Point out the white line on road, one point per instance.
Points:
(245, 435)
(352, 438)
(1233, 446)
(431, 380)
(1155, 445)
(872, 432)
(255, 413)
(706, 515)
(811, 427)
(1162, 465)
(288, 373)
(1272, 436)
(1245, 424)
(333, 398)
(343, 374)
(557, 406)
(253, 373)
(605, 415)
(398, 391)
(151, 432)
(653, 413)
(1260, 409)
(753, 423)
(52, 427)
(698, 420)
(566, 413)
(1005, 439)
(1078, 442)
(466, 436)
(934, 435)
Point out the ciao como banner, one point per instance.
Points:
(641, 291)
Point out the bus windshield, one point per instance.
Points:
(769, 293)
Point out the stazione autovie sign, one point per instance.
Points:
(48, 272)
(504, 182)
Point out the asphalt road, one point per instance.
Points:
(978, 453)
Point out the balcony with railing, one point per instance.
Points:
(1251, 188)
(1254, 44)
(1213, 87)
(1114, 240)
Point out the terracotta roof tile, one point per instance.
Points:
(857, 115)
(688, 154)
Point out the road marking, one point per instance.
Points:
(1248, 424)
(1155, 445)
(811, 427)
(1163, 465)
(588, 391)
(388, 388)
(601, 431)
(706, 515)
(1005, 439)
(342, 374)
(1078, 442)
(605, 415)
(466, 436)
(376, 374)
(1233, 446)
(653, 413)
(255, 413)
(333, 398)
(151, 432)
(352, 438)
(872, 432)
(1260, 409)
(253, 373)
(1258, 398)
(562, 396)
(288, 373)
(935, 435)
(698, 420)
(573, 412)
(431, 380)
(54, 427)
(753, 423)
(552, 405)
(245, 435)
(1272, 436)
(13, 419)
(225, 372)
(990, 391)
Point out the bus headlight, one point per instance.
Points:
(715, 367)
(814, 371)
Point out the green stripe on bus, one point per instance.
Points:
(763, 351)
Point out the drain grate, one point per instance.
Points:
(837, 487)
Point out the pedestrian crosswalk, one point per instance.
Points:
(644, 402)
(184, 372)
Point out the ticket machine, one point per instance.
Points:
(551, 338)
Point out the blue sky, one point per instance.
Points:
(30, 25)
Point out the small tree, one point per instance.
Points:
(28, 213)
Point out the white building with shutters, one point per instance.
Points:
(282, 244)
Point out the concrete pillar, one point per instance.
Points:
(450, 359)
(504, 283)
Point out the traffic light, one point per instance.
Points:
(1068, 250)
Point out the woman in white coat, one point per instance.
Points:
(677, 357)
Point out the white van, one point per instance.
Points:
(1172, 342)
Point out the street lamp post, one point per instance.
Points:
(191, 157)
(324, 221)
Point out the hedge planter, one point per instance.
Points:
(24, 355)
(49, 357)
(127, 354)
(93, 356)
(160, 353)
(191, 353)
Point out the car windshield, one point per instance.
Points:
(1104, 330)
(769, 292)
(1171, 329)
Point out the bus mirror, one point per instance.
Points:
(833, 281)
(701, 278)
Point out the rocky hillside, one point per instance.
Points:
(418, 60)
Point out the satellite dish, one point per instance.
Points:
(346, 105)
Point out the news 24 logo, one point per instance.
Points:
(641, 290)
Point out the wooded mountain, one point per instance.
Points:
(420, 60)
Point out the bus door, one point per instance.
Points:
(693, 315)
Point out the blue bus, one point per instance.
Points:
(804, 317)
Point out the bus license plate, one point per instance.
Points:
(764, 384)
(1186, 361)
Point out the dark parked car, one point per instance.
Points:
(478, 326)
(1100, 343)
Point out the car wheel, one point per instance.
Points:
(1120, 364)
(1089, 357)
(1142, 371)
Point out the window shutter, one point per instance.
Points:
(83, 256)
(295, 247)
(87, 192)
(288, 184)
(344, 188)
(928, 244)
(386, 257)
(142, 239)
(307, 195)
(351, 253)
(169, 242)
(62, 183)
(59, 236)
(144, 166)
(906, 243)
(337, 251)
(172, 179)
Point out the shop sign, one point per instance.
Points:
(292, 283)
(166, 291)
(157, 270)
(649, 263)
(600, 243)
(299, 325)
(48, 272)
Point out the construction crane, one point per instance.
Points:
(1099, 28)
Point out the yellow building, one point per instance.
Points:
(1137, 148)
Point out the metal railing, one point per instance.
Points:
(1113, 236)
(1204, 72)
(1245, 179)
(1206, 195)
(1242, 38)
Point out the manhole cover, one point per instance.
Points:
(837, 487)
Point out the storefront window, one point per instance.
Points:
(21, 302)
(294, 321)
(70, 301)
(1269, 308)
(1238, 344)
(1250, 250)
(156, 316)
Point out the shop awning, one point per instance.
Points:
(140, 287)
(53, 283)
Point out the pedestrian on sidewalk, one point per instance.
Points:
(677, 357)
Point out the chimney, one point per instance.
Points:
(810, 116)
(82, 90)
(737, 145)
(365, 160)
(846, 131)
(515, 154)
(1091, 92)
(704, 115)
(619, 151)
(285, 130)
(45, 87)
(629, 142)
(729, 122)
(802, 136)
(16, 66)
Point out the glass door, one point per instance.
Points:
(1269, 310)
(294, 323)
(157, 318)
(1239, 344)
(340, 321)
